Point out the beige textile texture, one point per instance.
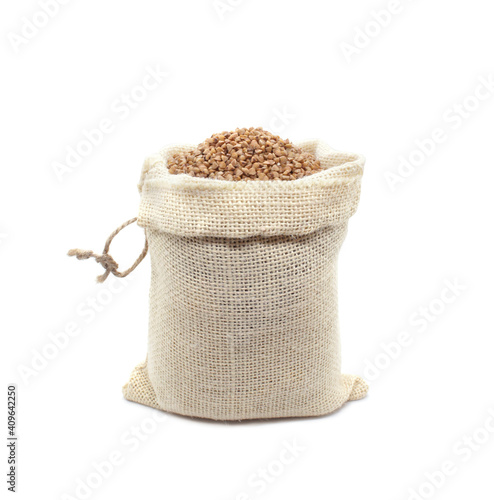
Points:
(243, 320)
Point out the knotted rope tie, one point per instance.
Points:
(106, 260)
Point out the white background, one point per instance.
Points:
(244, 67)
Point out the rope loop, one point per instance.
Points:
(106, 260)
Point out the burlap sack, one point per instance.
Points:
(243, 320)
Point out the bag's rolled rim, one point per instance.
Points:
(184, 205)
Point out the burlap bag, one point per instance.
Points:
(243, 320)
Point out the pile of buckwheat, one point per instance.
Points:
(245, 154)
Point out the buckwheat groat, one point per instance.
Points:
(245, 154)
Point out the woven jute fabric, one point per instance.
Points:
(243, 320)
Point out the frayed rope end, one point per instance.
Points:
(107, 260)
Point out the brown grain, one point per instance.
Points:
(245, 154)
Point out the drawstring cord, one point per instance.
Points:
(106, 260)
